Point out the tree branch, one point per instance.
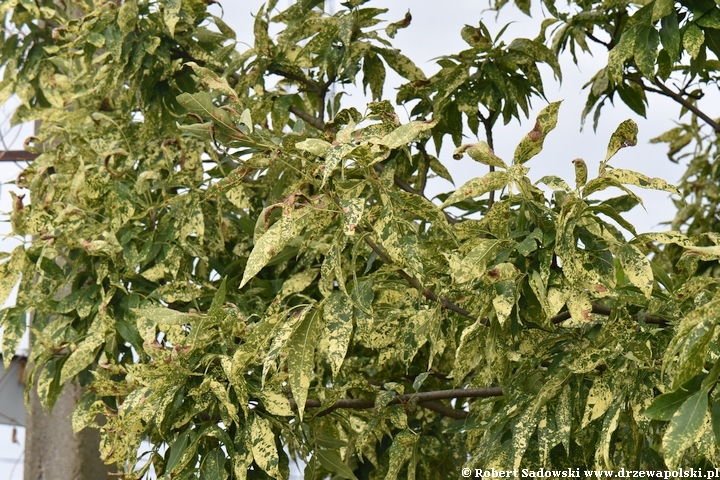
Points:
(597, 40)
(314, 121)
(415, 283)
(449, 305)
(425, 167)
(399, 182)
(403, 185)
(662, 89)
(603, 310)
(311, 84)
(423, 399)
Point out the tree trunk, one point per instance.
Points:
(52, 450)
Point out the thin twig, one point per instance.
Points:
(402, 184)
(664, 90)
(415, 283)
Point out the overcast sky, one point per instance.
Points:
(435, 31)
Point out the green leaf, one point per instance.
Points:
(178, 450)
(213, 468)
(716, 421)
(538, 53)
(373, 75)
(664, 406)
(532, 143)
(263, 446)
(332, 462)
(440, 169)
(477, 187)
(634, 96)
(301, 359)
(670, 36)
(684, 427)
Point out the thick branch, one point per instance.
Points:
(424, 399)
(314, 121)
(424, 169)
(16, 156)
(597, 40)
(311, 84)
(415, 283)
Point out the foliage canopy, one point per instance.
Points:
(237, 268)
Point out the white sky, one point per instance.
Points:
(435, 31)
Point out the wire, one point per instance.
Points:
(17, 462)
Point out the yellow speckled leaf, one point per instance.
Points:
(598, 401)
(263, 446)
(338, 328)
(301, 359)
(637, 268)
(532, 143)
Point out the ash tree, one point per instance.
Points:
(241, 272)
